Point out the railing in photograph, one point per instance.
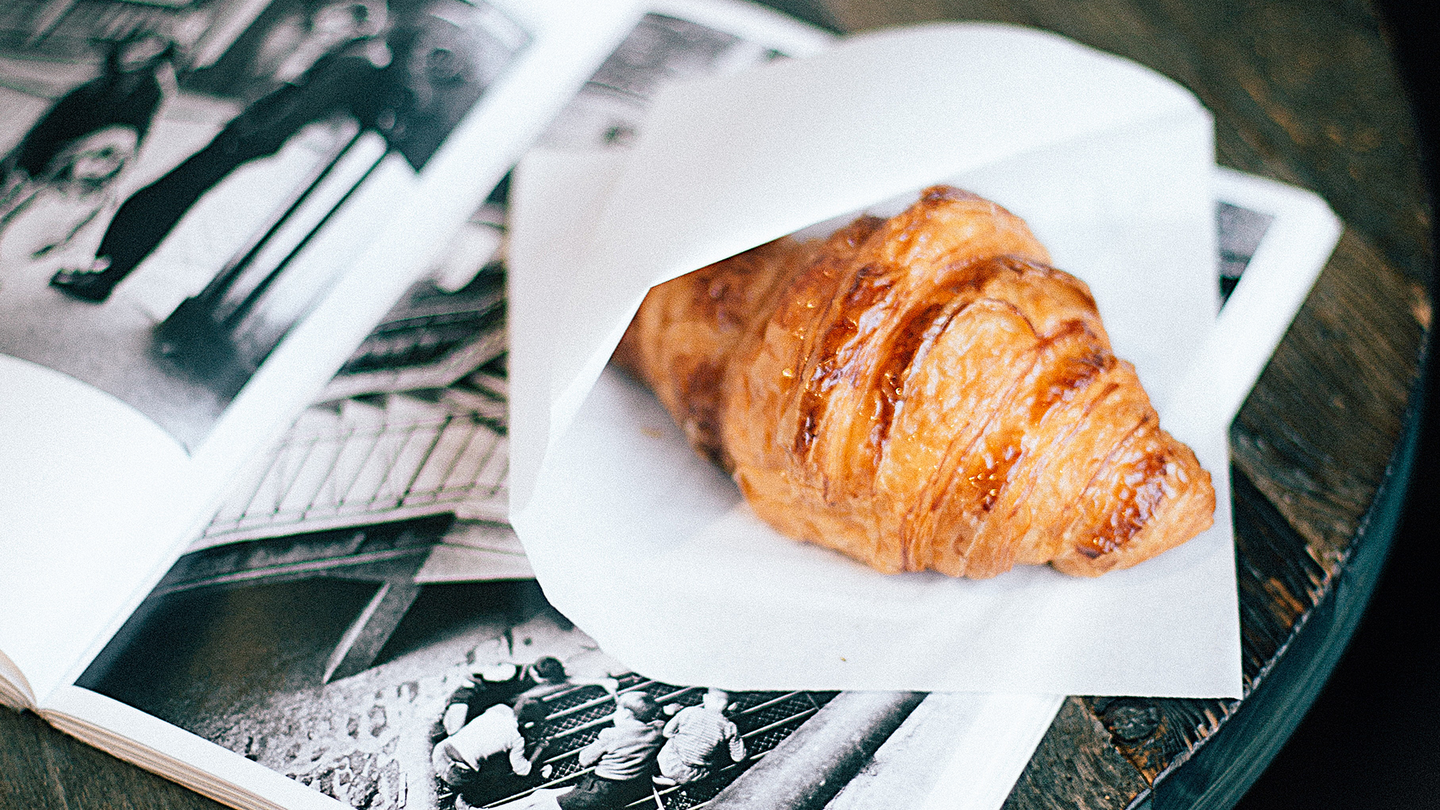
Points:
(575, 717)
(392, 457)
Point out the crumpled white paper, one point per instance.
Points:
(651, 550)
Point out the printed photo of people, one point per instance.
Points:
(181, 182)
(327, 657)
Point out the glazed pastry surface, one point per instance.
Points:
(921, 392)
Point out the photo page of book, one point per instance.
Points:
(178, 198)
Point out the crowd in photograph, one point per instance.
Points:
(498, 739)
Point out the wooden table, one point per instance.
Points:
(1306, 93)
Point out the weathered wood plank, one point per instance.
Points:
(1317, 432)
(1075, 766)
(41, 769)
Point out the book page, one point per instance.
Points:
(202, 212)
(372, 737)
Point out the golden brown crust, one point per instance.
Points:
(922, 392)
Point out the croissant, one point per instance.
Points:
(921, 392)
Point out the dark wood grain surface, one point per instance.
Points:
(1304, 92)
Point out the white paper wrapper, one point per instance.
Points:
(650, 549)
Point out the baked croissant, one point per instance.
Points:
(921, 392)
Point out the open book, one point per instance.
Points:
(253, 384)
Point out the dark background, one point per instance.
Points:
(1372, 738)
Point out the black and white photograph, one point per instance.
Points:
(414, 422)
(321, 657)
(382, 456)
(183, 182)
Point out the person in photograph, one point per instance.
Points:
(351, 79)
(699, 740)
(409, 76)
(126, 94)
(545, 677)
(45, 216)
(486, 687)
(549, 677)
(60, 177)
(522, 686)
(489, 749)
(623, 756)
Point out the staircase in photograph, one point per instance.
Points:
(385, 457)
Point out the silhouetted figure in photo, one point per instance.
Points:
(44, 216)
(350, 80)
(489, 757)
(65, 167)
(411, 87)
(125, 94)
(623, 757)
